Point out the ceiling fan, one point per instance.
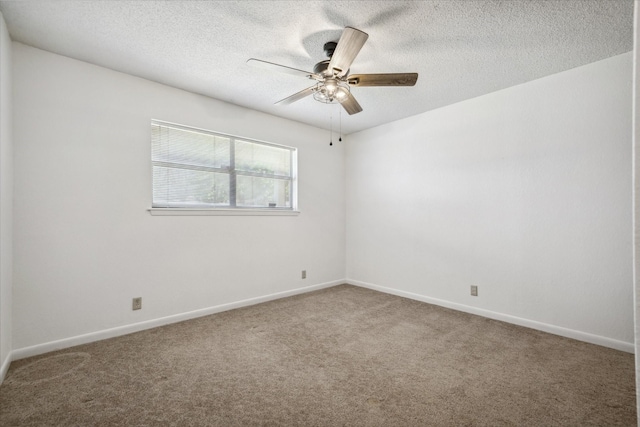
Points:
(332, 75)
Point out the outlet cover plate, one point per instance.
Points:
(137, 303)
(474, 291)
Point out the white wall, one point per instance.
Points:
(524, 192)
(6, 197)
(636, 192)
(85, 244)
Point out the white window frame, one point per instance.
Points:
(232, 209)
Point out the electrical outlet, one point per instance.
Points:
(137, 303)
(304, 274)
(474, 291)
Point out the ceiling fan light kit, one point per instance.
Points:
(331, 91)
(332, 75)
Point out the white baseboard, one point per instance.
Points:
(552, 329)
(35, 350)
(4, 368)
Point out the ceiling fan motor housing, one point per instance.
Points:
(322, 69)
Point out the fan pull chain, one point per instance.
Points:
(331, 130)
(340, 124)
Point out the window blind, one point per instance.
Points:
(193, 168)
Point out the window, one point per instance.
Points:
(194, 168)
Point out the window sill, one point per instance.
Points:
(215, 212)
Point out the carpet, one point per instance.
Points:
(335, 357)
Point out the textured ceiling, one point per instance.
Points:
(460, 48)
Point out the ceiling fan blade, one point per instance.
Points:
(349, 45)
(297, 96)
(282, 68)
(351, 105)
(392, 79)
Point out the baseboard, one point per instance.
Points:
(552, 329)
(35, 350)
(4, 368)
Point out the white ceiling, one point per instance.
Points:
(460, 48)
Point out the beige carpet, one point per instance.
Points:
(340, 356)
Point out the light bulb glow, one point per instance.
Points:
(341, 93)
(331, 85)
(331, 91)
